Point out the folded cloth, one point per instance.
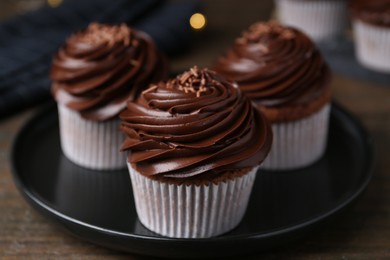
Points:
(28, 42)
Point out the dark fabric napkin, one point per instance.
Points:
(28, 42)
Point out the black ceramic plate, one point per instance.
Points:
(98, 206)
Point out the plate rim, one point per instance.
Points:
(64, 220)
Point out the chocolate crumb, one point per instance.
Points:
(193, 81)
(97, 34)
(150, 89)
(261, 31)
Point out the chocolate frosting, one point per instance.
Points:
(372, 11)
(276, 66)
(103, 66)
(194, 125)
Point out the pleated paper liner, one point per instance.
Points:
(191, 211)
(320, 19)
(94, 145)
(372, 46)
(298, 143)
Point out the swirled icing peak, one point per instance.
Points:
(275, 65)
(374, 11)
(100, 68)
(97, 34)
(196, 124)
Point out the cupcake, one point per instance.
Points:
(93, 75)
(282, 72)
(320, 19)
(194, 146)
(371, 27)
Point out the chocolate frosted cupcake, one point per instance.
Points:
(371, 24)
(195, 144)
(320, 19)
(281, 70)
(93, 76)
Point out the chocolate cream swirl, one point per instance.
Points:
(103, 66)
(275, 66)
(195, 124)
(375, 12)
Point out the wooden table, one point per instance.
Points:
(362, 232)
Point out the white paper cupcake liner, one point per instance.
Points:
(94, 145)
(320, 19)
(191, 211)
(298, 143)
(372, 45)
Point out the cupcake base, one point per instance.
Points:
(321, 19)
(298, 143)
(90, 144)
(191, 211)
(372, 46)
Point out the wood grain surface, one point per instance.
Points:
(362, 232)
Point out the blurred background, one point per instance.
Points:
(14, 7)
(190, 32)
(31, 31)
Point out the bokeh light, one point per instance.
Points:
(198, 21)
(54, 3)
